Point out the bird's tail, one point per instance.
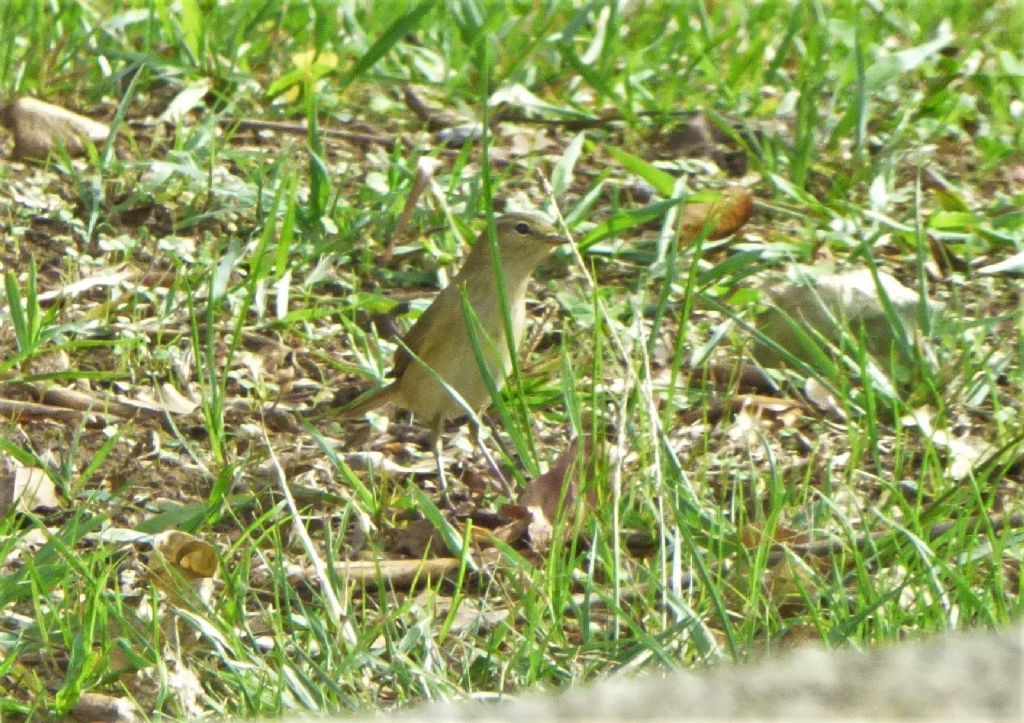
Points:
(368, 400)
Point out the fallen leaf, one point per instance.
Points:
(944, 258)
(823, 400)
(549, 491)
(174, 402)
(188, 555)
(184, 685)
(418, 538)
(547, 494)
(191, 96)
(28, 489)
(965, 452)
(470, 616)
(698, 137)
(758, 406)
(1010, 266)
(513, 532)
(725, 216)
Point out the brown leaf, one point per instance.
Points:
(944, 258)
(191, 557)
(545, 491)
(751, 535)
(512, 532)
(42, 127)
(778, 409)
(725, 216)
(698, 137)
(835, 306)
(823, 400)
(746, 377)
(695, 137)
(419, 536)
(541, 530)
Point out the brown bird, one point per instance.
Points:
(438, 347)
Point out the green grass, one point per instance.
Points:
(254, 261)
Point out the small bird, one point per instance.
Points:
(439, 341)
(439, 344)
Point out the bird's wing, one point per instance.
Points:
(441, 314)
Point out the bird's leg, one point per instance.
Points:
(438, 446)
(479, 437)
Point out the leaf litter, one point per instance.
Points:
(162, 461)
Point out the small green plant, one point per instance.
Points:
(30, 324)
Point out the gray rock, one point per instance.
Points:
(977, 675)
(836, 306)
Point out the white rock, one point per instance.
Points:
(40, 127)
(836, 306)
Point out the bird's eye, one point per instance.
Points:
(522, 228)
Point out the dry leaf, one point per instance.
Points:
(823, 400)
(190, 97)
(944, 258)
(28, 489)
(191, 557)
(512, 532)
(753, 406)
(698, 137)
(72, 290)
(965, 452)
(1010, 266)
(546, 494)
(419, 537)
(471, 617)
(545, 491)
(41, 127)
(725, 216)
(756, 413)
(174, 402)
(184, 685)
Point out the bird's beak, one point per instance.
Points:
(555, 240)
